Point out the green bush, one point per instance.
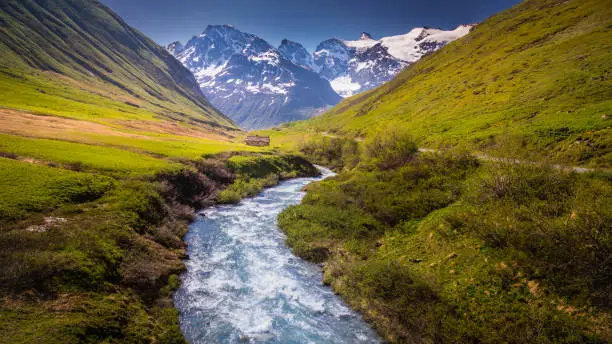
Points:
(389, 148)
(330, 151)
(255, 172)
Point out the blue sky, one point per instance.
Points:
(306, 21)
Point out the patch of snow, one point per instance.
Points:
(269, 56)
(345, 86)
(364, 65)
(361, 44)
(210, 71)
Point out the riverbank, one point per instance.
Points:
(93, 256)
(439, 247)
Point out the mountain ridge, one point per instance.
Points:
(52, 37)
(349, 67)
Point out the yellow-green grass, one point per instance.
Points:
(36, 92)
(179, 147)
(288, 137)
(185, 147)
(89, 157)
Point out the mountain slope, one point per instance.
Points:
(536, 76)
(50, 47)
(251, 81)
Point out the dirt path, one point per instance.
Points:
(488, 158)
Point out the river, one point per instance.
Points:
(244, 285)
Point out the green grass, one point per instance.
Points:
(175, 148)
(28, 188)
(36, 92)
(440, 248)
(105, 160)
(537, 73)
(106, 271)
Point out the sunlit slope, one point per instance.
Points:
(76, 58)
(537, 75)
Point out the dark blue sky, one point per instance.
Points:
(306, 21)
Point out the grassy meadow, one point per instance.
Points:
(107, 147)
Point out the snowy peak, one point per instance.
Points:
(365, 36)
(296, 53)
(259, 85)
(175, 47)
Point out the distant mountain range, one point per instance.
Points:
(260, 86)
(251, 81)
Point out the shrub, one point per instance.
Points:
(326, 151)
(390, 148)
(391, 281)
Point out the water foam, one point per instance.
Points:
(243, 284)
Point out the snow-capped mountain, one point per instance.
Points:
(296, 53)
(252, 82)
(356, 66)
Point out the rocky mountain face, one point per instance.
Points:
(260, 86)
(296, 53)
(356, 66)
(251, 81)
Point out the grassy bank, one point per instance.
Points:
(435, 248)
(91, 243)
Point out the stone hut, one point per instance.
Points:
(258, 140)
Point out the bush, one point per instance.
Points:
(327, 151)
(390, 148)
(391, 281)
(438, 249)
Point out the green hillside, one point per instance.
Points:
(535, 79)
(78, 59)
